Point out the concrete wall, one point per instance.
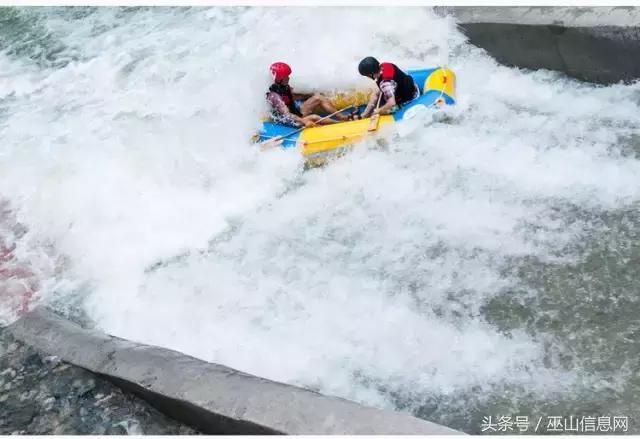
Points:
(596, 44)
(212, 398)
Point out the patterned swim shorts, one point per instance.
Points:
(284, 119)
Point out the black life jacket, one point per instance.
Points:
(406, 88)
(284, 91)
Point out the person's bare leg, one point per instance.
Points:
(327, 106)
(313, 119)
(308, 107)
(317, 100)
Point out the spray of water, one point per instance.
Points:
(428, 270)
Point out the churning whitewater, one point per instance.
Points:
(469, 263)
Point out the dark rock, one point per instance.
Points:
(52, 360)
(116, 429)
(11, 373)
(42, 395)
(84, 386)
(22, 414)
(33, 360)
(48, 403)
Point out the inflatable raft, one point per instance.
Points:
(437, 86)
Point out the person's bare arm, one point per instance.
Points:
(373, 100)
(386, 108)
(389, 90)
(279, 105)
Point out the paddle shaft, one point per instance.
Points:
(379, 99)
(373, 124)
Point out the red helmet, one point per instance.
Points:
(280, 70)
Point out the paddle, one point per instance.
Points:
(277, 141)
(375, 119)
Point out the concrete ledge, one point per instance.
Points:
(212, 398)
(599, 44)
(567, 16)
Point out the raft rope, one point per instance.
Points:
(444, 85)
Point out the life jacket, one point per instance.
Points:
(406, 87)
(284, 91)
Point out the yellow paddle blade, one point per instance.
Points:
(271, 143)
(373, 123)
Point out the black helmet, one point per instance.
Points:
(369, 66)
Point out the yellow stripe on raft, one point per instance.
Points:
(439, 79)
(324, 138)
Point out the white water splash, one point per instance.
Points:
(361, 278)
